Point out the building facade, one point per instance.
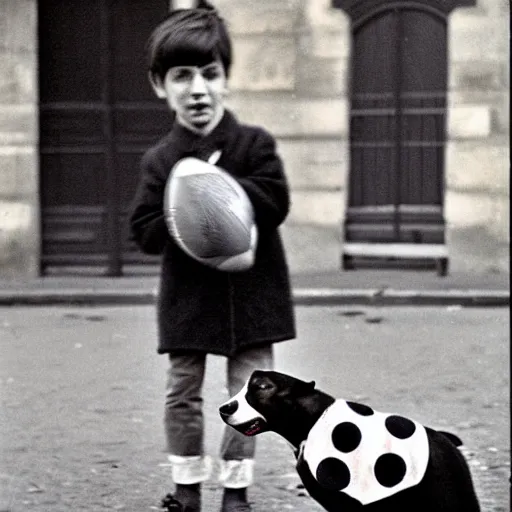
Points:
(295, 72)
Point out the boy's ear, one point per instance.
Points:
(157, 85)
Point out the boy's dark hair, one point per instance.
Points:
(189, 37)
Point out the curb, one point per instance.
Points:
(301, 297)
(390, 297)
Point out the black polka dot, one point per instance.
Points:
(346, 437)
(400, 427)
(333, 474)
(390, 469)
(361, 409)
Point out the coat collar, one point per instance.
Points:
(202, 146)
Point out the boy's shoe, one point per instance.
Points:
(170, 504)
(187, 498)
(235, 500)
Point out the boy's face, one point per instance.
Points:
(196, 94)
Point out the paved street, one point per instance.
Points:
(82, 388)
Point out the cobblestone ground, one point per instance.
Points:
(81, 399)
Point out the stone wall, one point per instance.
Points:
(19, 203)
(477, 153)
(290, 75)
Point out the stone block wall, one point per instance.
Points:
(477, 197)
(291, 75)
(19, 191)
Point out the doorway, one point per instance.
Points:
(397, 138)
(97, 117)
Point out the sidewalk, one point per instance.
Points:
(358, 287)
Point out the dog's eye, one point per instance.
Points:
(261, 384)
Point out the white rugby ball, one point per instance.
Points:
(210, 216)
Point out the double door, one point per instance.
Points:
(97, 116)
(397, 128)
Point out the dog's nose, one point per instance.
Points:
(229, 408)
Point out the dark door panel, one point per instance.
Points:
(70, 50)
(397, 128)
(98, 115)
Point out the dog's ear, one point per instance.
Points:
(311, 385)
(301, 388)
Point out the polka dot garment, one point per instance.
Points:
(366, 454)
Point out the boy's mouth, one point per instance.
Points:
(200, 114)
(199, 107)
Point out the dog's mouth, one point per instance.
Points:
(252, 427)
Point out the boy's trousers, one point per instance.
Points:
(184, 423)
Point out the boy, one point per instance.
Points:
(202, 310)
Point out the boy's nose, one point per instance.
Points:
(198, 85)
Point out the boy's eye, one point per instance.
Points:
(182, 74)
(186, 74)
(211, 72)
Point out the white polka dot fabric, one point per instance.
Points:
(366, 454)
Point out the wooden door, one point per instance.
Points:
(397, 131)
(97, 116)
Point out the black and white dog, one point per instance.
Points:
(351, 457)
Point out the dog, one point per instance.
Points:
(351, 457)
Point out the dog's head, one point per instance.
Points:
(266, 402)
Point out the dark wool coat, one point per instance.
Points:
(200, 308)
